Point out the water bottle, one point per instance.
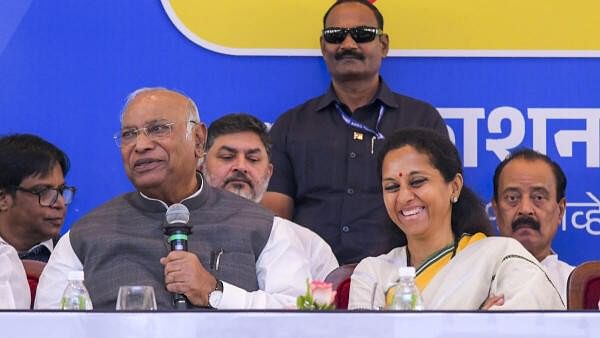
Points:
(76, 296)
(406, 295)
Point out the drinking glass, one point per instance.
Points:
(136, 298)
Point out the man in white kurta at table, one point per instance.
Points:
(14, 290)
(238, 159)
(33, 194)
(240, 256)
(529, 202)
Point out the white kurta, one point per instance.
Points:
(282, 271)
(14, 289)
(320, 256)
(559, 272)
(491, 266)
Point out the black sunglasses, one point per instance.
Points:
(360, 34)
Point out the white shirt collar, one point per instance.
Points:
(48, 244)
(187, 198)
(552, 257)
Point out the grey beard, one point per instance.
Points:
(255, 194)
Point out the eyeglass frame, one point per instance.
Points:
(346, 31)
(118, 136)
(58, 190)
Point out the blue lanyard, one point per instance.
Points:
(352, 122)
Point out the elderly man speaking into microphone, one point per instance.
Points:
(240, 256)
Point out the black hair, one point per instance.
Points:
(25, 155)
(468, 213)
(237, 123)
(367, 3)
(532, 155)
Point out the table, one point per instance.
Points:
(237, 324)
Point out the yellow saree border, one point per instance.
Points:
(432, 265)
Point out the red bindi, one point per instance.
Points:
(400, 174)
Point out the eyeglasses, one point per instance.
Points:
(128, 136)
(360, 34)
(47, 196)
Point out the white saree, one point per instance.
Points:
(490, 266)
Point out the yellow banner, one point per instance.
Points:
(416, 27)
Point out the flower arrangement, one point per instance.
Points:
(319, 296)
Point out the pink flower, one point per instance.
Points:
(322, 293)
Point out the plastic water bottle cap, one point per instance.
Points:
(406, 271)
(75, 275)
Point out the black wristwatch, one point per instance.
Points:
(214, 297)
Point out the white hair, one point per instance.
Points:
(192, 109)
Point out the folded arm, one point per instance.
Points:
(525, 286)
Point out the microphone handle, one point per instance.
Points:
(180, 302)
(178, 241)
(179, 244)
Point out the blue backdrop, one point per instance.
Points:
(65, 69)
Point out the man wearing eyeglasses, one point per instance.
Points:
(33, 194)
(240, 256)
(324, 150)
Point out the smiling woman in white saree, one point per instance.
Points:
(458, 266)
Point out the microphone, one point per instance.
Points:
(177, 230)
